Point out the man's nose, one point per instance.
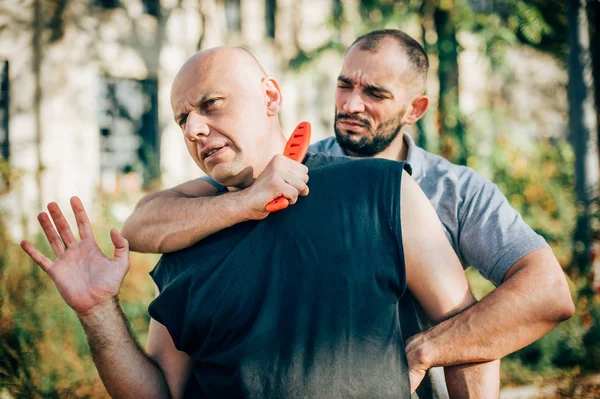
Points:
(354, 104)
(195, 127)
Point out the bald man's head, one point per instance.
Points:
(227, 108)
(220, 60)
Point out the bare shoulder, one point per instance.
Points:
(411, 194)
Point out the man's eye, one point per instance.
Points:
(182, 121)
(377, 96)
(343, 86)
(209, 103)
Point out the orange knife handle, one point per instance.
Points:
(277, 204)
(296, 149)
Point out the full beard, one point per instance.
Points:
(370, 143)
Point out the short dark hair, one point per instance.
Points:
(372, 41)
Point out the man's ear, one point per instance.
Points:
(417, 109)
(273, 95)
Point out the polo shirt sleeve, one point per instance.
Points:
(493, 235)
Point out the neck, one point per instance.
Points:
(273, 146)
(397, 150)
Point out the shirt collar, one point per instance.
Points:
(415, 156)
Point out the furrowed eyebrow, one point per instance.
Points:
(198, 104)
(371, 88)
(345, 79)
(379, 90)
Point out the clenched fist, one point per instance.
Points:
(282, 177)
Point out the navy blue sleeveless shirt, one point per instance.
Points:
(302, 304)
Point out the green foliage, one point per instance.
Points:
(8, 176)
(376, 14)
(591, 339)
(529, 23)
(538, 178)
(541, 24)
(539, 183)
(571, 348)
(479, 285)
(562, 348)
(536, 23)
(43, 349)
(305, 59)
(373, 14)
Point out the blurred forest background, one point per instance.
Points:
(529, 123)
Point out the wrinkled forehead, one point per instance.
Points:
(385, 66)
(193, 83)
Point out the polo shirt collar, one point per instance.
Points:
(415, 155)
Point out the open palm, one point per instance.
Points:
(84, 277)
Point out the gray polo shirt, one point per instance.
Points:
(484, 230)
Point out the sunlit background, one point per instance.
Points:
(84, 110)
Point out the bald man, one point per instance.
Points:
(303, 303)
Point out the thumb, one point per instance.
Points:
(121, 246)
(415, 379)
(414, 384)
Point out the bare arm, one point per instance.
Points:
(161, 372)
(89, 282)
(124, 368)
(436, 278)
(533, 299)
(174, 219)
(176, 365)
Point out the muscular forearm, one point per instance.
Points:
(532, 301)
(123, 367)
(481, 380)
(170, 221)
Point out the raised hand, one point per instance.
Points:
(282, 177)
(85, 278)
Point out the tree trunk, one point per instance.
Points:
(38, 29)
(582, 132)
(452, 134)
(594, 18)
(427, 133)
(593, 9)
